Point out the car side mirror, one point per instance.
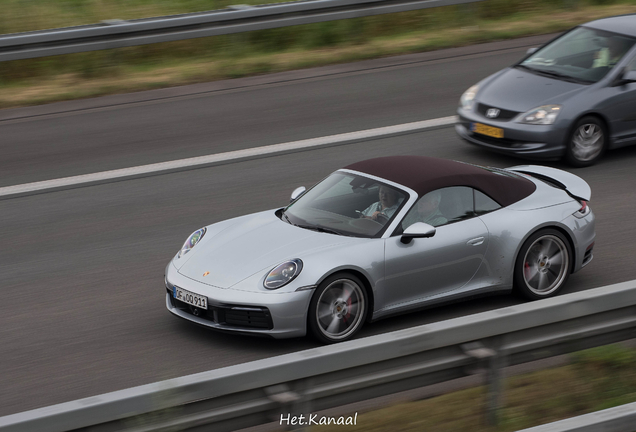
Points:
(531, 50)
(297, 193)
(624, 77)
(629, 77)
(417, 230)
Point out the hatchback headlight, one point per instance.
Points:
(543, 115)
(192, 241)
(282, 274)
(467, 99)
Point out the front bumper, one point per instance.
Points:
(540, 142)
(275, 314)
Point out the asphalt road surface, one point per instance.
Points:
(82, 269)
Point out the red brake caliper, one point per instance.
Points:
(346, 317)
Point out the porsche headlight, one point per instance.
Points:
(192, 241)
(467, 99)
(282, 274)
(543, 115)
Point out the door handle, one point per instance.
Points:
(476, 241)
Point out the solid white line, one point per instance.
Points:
(223, 157)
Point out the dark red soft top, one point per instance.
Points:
(424, 174)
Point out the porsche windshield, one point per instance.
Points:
(347, 204)
(582, 55)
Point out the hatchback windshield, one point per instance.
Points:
(347, 204)
(583, 55)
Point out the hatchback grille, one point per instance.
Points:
(504, 115)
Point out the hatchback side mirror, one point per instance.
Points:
(624, 77)
(629, 77)
(417, 230)
(531, 50)
(297, 193)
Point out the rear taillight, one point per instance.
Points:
(584, 210)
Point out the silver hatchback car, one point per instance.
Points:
(573, 98)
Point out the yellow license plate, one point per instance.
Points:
(487, 130)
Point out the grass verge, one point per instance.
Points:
(595, 379)
(74, 76)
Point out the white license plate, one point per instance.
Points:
(190, 297)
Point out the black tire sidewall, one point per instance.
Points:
(569, 155)
(519, 283)
(312, 323)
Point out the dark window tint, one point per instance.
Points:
(484, 204)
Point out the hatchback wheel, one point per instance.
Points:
(587, 142)
(338, 308)
(543, 265)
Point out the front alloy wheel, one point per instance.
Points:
(543, 264)
(587, 142)
(338, 308)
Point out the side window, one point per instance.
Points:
(441, 207)
(484, 204)
(631, 67)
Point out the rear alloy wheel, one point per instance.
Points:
(543, 265)
(338, 308)
(587, 142)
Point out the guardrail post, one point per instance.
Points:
(494, 385)
(285, 398)
(493, 361)
(294, 406)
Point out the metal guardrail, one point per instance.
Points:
(618, 419)
(309, 381)
(241, 18)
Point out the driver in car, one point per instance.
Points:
(382, 210)
(612, 53)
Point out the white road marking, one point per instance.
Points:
(181, 164)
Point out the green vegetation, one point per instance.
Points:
(27, 82)
(595, 379)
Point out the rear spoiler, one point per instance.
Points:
(574, 185)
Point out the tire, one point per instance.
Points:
(338, 308)
(587, 142)
(543, 265)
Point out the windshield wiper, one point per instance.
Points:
(287, 219)
(561, 76)
(554, 74)
(520, 66)
(314, 228)
(321, 229)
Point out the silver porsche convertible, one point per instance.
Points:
(383, 237)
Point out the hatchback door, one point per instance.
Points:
(620, 107)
